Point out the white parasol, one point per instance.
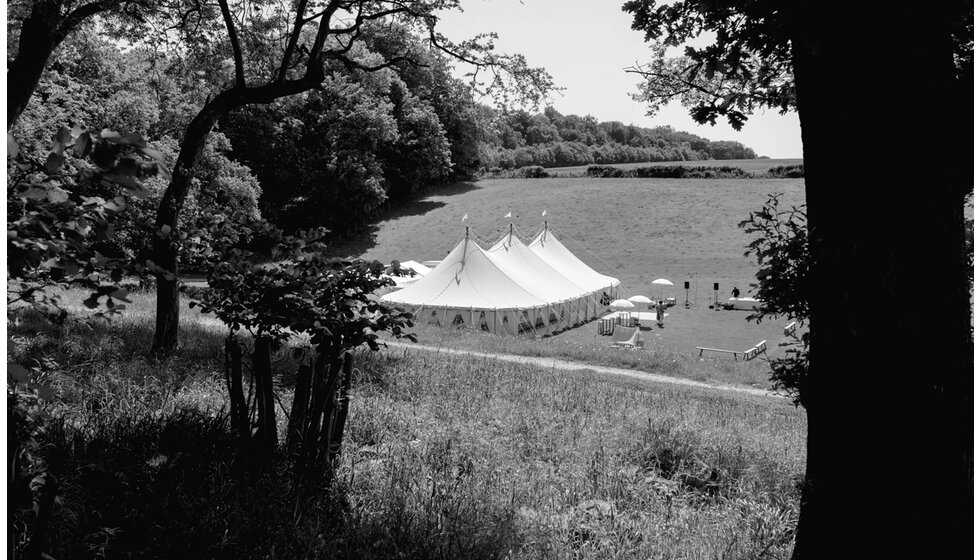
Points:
(662, 282)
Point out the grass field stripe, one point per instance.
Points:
(552, 363)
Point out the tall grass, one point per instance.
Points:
(445, 457)
(582, 468)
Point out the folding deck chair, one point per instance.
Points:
(626, 337)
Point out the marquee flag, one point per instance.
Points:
(464, 217)
(545, 213)
(508, 215)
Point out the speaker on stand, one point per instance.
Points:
(687, 292)
(716, 296)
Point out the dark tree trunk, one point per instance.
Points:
(40, 34)
(166, 242)
(38, 38)
(301, 404)
(236, 392)
(267, 435)
(343, 401)
(889, 394)
(321, 410)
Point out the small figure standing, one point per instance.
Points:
(605, 299)
(660, 313)
(735, 292)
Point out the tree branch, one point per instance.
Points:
(236, 47)
(293, 40)
(74, 18)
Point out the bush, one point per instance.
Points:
(531, 172)
(786, 172)
(690, 172)
(605, 171)
(661, 171)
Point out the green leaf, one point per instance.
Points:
(117, 204)
(121, 294)
(44, 392)
(60, 140)
(134, 186)
(54, 163)
(83, 144)
(133, 139)
(18, 373)
(56, 194)
(35, 193)
(12, 148)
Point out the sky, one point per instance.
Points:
(585, 46)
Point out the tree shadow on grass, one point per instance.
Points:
(365, 239)
(175, 485)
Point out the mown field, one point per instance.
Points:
(636, 230)
(445, 457)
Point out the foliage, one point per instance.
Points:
(59, 215)
(786, 171)
(531, 172)
(91, 83)
(551, 139)
(340, 153)
(747, 67)
(300, 292)
(684, 172)
(31, 486)
(221, 189)
(690, 172)
(782, 251)
(604, 171)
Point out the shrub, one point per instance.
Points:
(690, 172)
(604, 171)
(532, 172)
(61, 215)
(661, 171)
(786, 172)
(782, 251)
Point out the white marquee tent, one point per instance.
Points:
(508, 288)
(553, 252)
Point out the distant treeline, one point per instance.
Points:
(550, 139)
(654, 171)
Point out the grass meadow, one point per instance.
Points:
(445, 457)
(635, 230)
(449, 456)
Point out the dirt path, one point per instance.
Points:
(552, 363)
